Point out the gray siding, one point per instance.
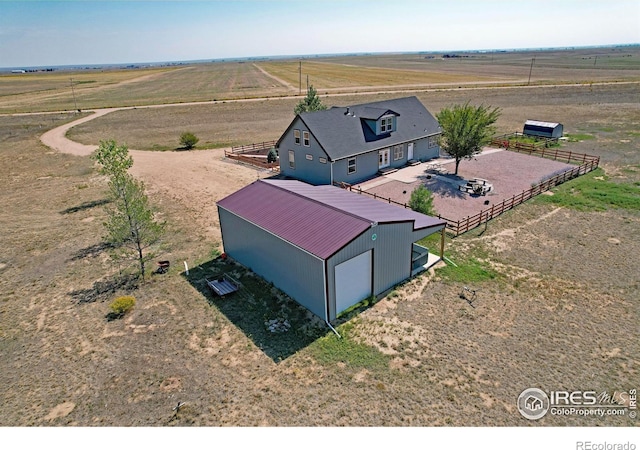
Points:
(292, 270)
(367, 164)
(422, 152)
(310, 170)
(391, 256)
(366, 168)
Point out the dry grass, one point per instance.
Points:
(52, 91)
(561, 313)
(579, 108)
(578, 65)
(217, 125)
(331, 77)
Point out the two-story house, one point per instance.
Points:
(354, 143)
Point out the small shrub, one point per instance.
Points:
(422, 201)
(121, 305)
(188, 140)
(272, 156)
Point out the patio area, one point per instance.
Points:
(507, 172)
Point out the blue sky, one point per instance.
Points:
(34, 33)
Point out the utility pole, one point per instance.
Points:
(300, 78)
(75, 103)
(530, 70)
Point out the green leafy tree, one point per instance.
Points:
(188, 140)
(422, 201)
(466, 129)
(131, 226)
(310, 103)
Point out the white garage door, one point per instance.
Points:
(353, 281)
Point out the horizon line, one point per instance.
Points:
(313, 55)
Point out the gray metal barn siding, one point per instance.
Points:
(289, 268)
(288, 232)
(391, 256)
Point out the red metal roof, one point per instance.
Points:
(318, 219)
(312, 226)
(359, 205)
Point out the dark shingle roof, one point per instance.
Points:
(342, 132)
(319, 219)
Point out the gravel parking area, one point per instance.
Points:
(510, 173)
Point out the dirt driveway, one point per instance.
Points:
(195, 180)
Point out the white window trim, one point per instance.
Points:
(400, 149)
(292, 159)
(350, 166)
(306, 141)
(386, 124)
(433, 140)
(296, 137)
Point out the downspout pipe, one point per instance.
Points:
(331, 174)
(333, 329)
(326, 301)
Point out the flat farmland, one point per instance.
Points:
(333, 77)
(582, 109)
(570, 66)
(102, 89)
(52, 91)
(217, 125)
(557, 301)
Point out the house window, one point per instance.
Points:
(322, 160)
(386, 124)
(296, 136)
(309, 157)
(351, 165)
(433, 140)
(305, 138)
(398, 152)
(292, 159)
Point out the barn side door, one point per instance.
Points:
(353, 281)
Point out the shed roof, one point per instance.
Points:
(319, 219)
(538, 123)
(342, 131)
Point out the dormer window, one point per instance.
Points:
(386, 124)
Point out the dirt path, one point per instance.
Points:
(57, 137)
(274, 78)
(195, 180)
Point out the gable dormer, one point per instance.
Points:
(380, 121)
(386, 124)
